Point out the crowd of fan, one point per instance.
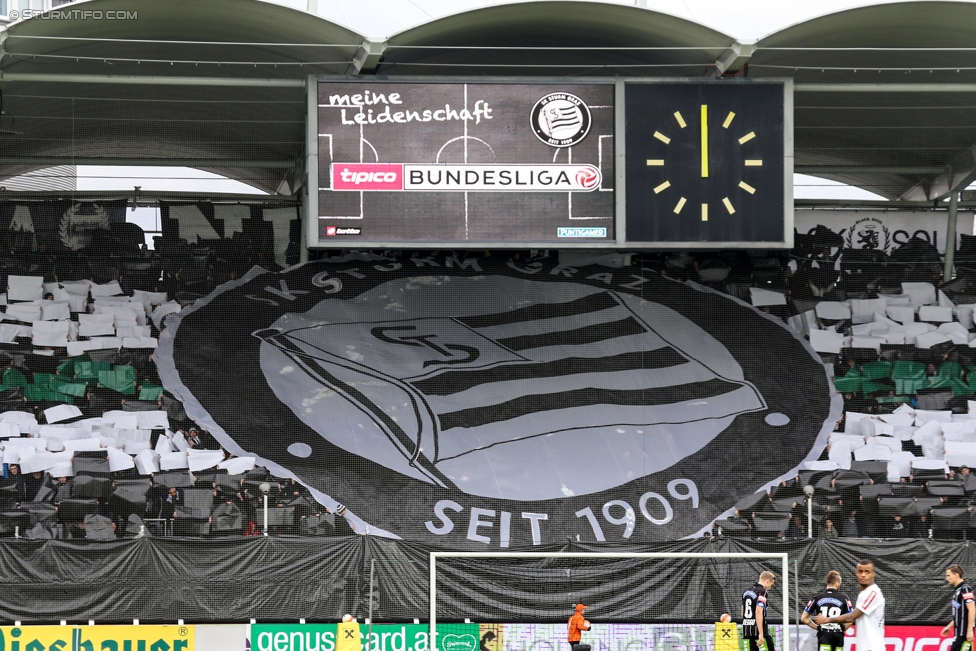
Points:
(892, 468)
(92, 445)
(859, 503)
(901, 345)
(103, 505)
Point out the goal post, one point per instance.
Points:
(736, 584)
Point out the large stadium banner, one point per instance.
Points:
(489, 404)
(709, 163)
(25, 225)
(453, 163)
(868, 230)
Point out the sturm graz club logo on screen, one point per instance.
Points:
(478, 402)
(561, 119)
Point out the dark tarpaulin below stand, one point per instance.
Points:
(155, 579)
(321, 578)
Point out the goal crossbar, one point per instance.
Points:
(434, 556)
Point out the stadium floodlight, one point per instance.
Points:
(530, 596)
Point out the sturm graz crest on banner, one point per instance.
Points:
(452, 393)
(502, 404)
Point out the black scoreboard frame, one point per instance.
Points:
(622, 168)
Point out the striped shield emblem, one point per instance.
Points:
(561, 121)
(457, 395)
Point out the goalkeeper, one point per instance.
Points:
(577, 624)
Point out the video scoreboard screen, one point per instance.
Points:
(604, 164)
(464, 163)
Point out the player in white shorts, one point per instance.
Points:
(868, 612)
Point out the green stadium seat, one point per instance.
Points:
(948, 376)
(909, 377)
(14, 378)
(876, 370)
(40, 393)
(150, 392)
(849, 383)
(68, 387)
(43, 379)
(121, 379)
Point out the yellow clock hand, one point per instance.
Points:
(704, 141)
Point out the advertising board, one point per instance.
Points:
(97, 638)
(379, 637)
(454, 163)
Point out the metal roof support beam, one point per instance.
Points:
(367, 58)
(144, 198)
(816, 170)
(881, 204)
(951, 236)
(50, 161)
(957, 175)
(884, 88)
(735, 58)
(151, 81)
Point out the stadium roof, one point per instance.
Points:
(886, 95)
(884, 99)
(568, 37)
(70, 97)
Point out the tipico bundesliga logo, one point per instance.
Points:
(386, 177)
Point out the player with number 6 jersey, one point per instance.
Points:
(754, 622)
(831, 603)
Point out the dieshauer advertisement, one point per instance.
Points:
(97, 638)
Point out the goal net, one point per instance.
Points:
(635, 601)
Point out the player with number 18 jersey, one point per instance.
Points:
(831, 602)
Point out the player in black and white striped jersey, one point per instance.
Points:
(963, 610)
(755, 627)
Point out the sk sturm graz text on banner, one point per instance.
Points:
(381, 637)
(484, 403)
(464, 163)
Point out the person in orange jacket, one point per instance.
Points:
(577, 624)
